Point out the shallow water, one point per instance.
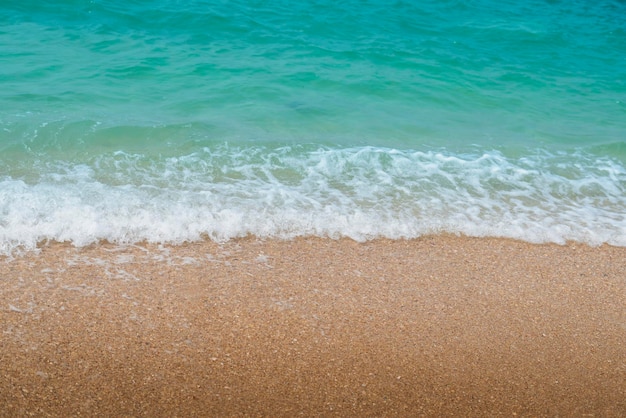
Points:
(170, 121)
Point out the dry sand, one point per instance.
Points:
(438, 326)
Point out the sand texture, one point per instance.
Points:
(437, 326)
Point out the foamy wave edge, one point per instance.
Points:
(359, 193)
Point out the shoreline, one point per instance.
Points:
(434, 326)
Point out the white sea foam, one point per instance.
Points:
(361, 193)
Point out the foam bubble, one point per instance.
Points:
(361, 193)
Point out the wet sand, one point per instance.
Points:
(437, 326)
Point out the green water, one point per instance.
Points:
(358, 119)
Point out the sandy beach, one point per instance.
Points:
(436, 326)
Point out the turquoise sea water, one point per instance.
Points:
(170, 121)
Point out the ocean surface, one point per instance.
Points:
(172, 121)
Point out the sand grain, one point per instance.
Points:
(438, 326)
